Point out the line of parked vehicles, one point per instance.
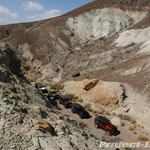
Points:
(99, 122)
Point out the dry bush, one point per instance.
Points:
(120, 116)
(82, 123)
(70, 96)
(58, 107)
(26, 67)
(45, 84)
(142, 127)
(73, 100)
(95, 111)
(142, 138)
(131, 128)
(96, 114)
(80, 100)
(132, 120)
(101, 111)
(107, 113)
(38, 83)
(114, 114)
(122, 123)
(31, 79)
(138, 125)
(24, 58)
(56, 86)
(87, 107)
(134, 132)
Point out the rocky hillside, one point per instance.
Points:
(29, 121)
(84, 36)
(103, 40)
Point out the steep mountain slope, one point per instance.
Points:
(43, 42)
(107, 40)
(27, 118)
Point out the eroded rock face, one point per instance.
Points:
(8, 58)
(105, 93)
(29, 121)
(101, 23)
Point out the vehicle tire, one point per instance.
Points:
(72, 110)
(96, 125)
(81, 116)
(108, 132)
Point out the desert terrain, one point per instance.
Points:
(103, 41)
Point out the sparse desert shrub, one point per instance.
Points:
(73, 100)
(56, 86)
(107, 113)
(31, 79)
(26, 67)
(114, 114)
(70, 96)
(132, 120)
(122, 123)
(120, 116)
(96, 114)
(134, 132)
(82, 123)
(95, 111)
(138, 125)
(142, 138)
(80, 100)
(142, 127)
(101, 111)
(24, 59)
(45, 84)
(131, 128)
(58, 107)
(87, 107)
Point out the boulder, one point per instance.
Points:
(90, 85)
(76, 74)
(43, 125)
(8, 57)
(104, 93)
(116, 121)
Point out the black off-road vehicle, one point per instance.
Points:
(78, 109)
(105, 124)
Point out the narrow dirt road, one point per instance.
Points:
(125, 135)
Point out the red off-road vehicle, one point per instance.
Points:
(104, 123)
(65, 101)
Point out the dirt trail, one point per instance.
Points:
(124, 135)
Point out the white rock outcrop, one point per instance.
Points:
(103, 93)
(102, 23)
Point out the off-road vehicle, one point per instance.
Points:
(40, 87)
(104, 123)
(53, 93)
(78, 109)
(65, 101)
